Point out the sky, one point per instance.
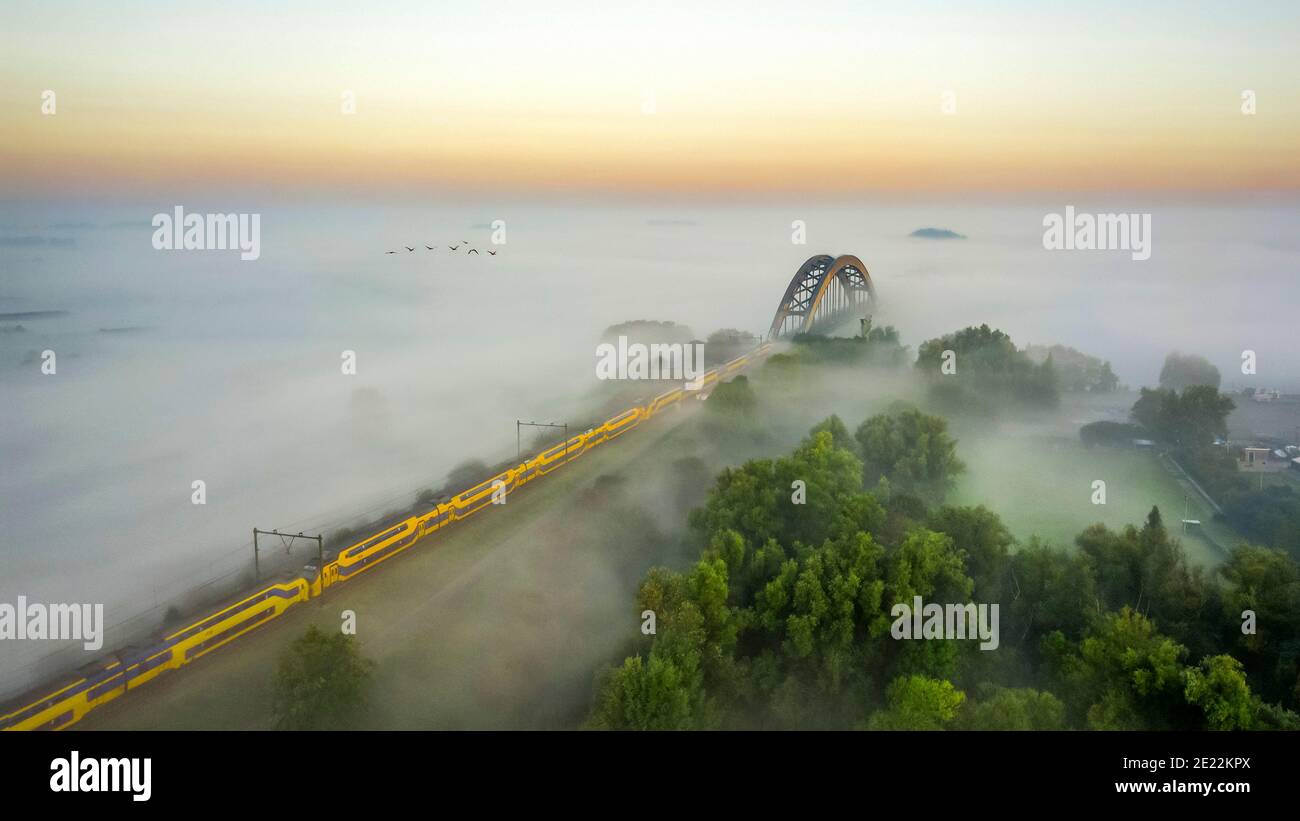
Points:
(718, 124)
(698, 99)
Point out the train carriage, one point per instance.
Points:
(374, 550)
(480, 496)
(68, 703)
(665, 400)
(112, 678)
(553, 457)
(621, 424)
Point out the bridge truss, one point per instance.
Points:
(825, 290)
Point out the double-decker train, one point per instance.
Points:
(130, 668)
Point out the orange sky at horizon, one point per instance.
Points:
(666, 104)
(646, 154)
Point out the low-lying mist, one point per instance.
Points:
(174, 367)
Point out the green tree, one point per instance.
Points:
(1076, 371)
(666, 689)
(1265, 585)
(1147, 569)
(1192, 418)
(784, 620)
(734, 399)
(1124, 675)
(1182, 371)
(918, 703)
(726, 344)
(1219, 688)
(1004, 708)
(641, 695)
(1153, 408)
(321, 682)
(839, 433)
(1051, 591)
(927, 564)
(1203, 413)
(911, 449)
(988, 366)
(1270, 516)
(984, 542)
(833, 606)
(880, 347)
(756, 500)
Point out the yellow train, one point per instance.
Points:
(70, 700)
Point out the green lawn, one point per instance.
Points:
(1043, 485)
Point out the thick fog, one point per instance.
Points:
(193, 365)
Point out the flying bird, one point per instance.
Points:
(473, 250)
(453, 247)
(390, 252)
(407, 247)
(492, 253)
(430, 247)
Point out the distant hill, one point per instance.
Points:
(937, 233)
(647, 331)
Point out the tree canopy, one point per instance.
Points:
(784, 620)
(910, 449)
(986, 369)
(320, 682)
(1191, 418)
(1076, 371)
(1182, 371)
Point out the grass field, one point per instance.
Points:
(1043, 486)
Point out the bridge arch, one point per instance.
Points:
(824, 289)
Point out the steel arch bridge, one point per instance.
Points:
(824, 290)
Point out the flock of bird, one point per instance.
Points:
(411, 248)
